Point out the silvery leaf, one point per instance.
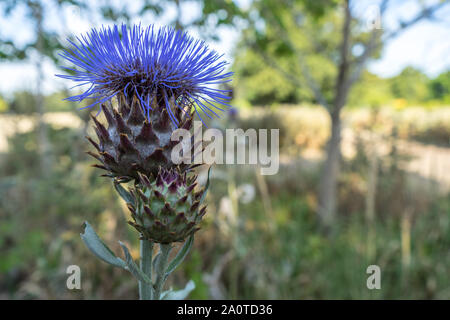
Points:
(99, 248)
(180, 255)
(180, 294)
(124, 194)
(206, 186)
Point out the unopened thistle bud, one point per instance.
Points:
(167, 209)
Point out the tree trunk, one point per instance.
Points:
(178, 25)
(42, 130)
(330, 173)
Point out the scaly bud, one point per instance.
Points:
(171, 212)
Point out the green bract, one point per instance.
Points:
(167, 209)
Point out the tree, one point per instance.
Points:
(259, 84)
(306, 29)
(440, 87)
(411, 84)
(371, 91)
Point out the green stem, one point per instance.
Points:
(161, 269)
(146, 290)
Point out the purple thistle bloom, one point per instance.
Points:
(155, 65)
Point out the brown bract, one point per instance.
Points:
(134, 142)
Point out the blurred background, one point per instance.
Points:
(360, 91)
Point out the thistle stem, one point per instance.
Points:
(146, 250)
(161, 270)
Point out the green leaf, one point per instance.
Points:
(180, 294)
(132, 267)
(99, 248)
(124, 194)
(206, 186)
(180, 255)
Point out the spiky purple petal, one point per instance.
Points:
(149, 63)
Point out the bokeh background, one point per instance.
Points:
(360, 91)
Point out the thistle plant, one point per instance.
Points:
(148, 82)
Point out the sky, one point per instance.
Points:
(425, 46)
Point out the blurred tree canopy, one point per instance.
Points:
(271, 44)
(372, 91)
(323, 46)
(285, 38)
(410, 84)
(285, 258)
(48, 42)
(440, 87)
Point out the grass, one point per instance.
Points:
(262, 253)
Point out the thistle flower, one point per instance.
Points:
(155, 65)
(157, 78)
(171, 207)
(132, 143)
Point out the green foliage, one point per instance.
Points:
(268, 121)
(410, 87)
(46, 41)
(23, 159)
(41, 215)
(54, 102)
(295, 261)
(277, 253)
(193, 270)
(3, 105)
(262, 85)
(283, 40)
(440, 87)
(9, 52)
(371, 91)
(28, 247)
(23, 102)
(410, 84)
(259, 84)
(274, 255)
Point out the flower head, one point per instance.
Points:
(153, 64)
(129, 144)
